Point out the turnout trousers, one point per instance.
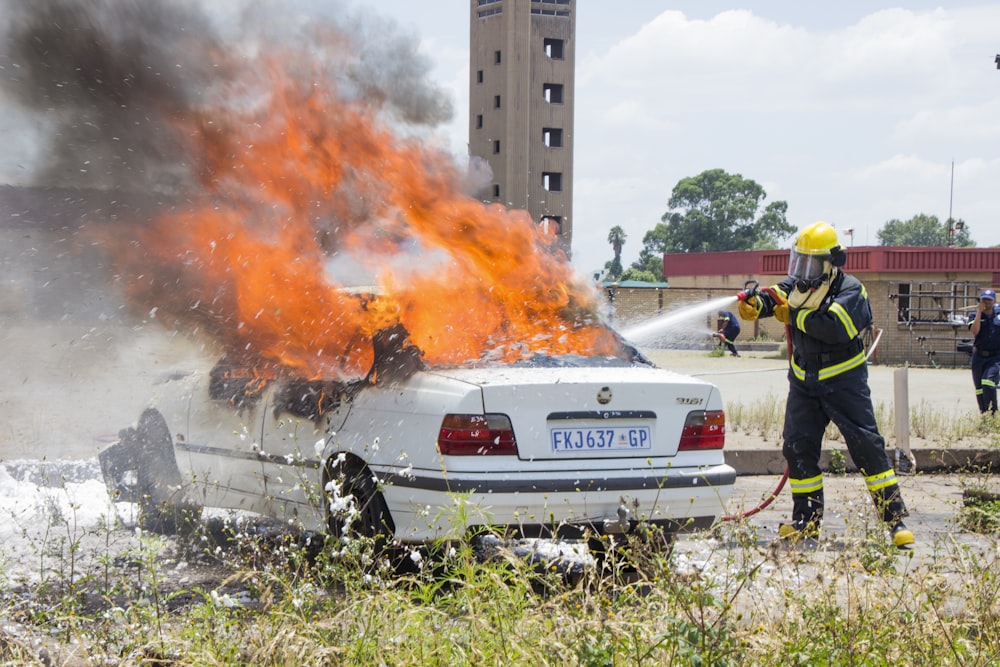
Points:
(730, 333)
(985, 375)
(844, 399)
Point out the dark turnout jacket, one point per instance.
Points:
(826, 341)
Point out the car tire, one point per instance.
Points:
(373, 520)
(163, 508)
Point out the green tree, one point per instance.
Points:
(616, 237)
(717, 211)
(632, 273)
(925, 230)
(651, 256)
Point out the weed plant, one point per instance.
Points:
(233, 593)
(765, 416)
(726, 597)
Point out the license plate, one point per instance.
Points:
(613, 438)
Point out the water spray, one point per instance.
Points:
(657, 326)
(751, 289)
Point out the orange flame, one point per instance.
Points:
(304, 178)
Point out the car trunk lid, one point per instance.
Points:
(593, 413)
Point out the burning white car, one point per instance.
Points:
(547, 446)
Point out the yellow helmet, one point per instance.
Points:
(815, 252)
(819, 238)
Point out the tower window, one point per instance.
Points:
(496, 146)
(554, 49)
(496, 191)
(496, 101)
(552, 224)
(479, 121)
(479, 76)
(552, 181)
(553, 93)
(496, 58)
(552, 137)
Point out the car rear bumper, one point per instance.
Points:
(448, 506)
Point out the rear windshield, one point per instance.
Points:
(631, 356)
(579, 361)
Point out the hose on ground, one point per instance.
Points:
(767, 501)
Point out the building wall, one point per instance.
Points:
(921, 344)
(634, 304)
(920, 296)
(518, 50)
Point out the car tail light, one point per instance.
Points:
(476, 435)
(703, 429)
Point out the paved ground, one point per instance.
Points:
(933, 501)
(756, 381)
(754, 376)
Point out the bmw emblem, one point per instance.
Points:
(604, 395)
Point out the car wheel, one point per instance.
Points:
(163, 507)
(367, 515)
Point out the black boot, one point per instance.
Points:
(807, 515)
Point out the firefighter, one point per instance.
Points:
(985, 326)
(729, 329)
(824, 310)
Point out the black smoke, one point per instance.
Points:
(111, 81)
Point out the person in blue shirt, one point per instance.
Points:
(729, 329)
(984, 325)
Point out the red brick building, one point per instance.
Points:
(920, 296)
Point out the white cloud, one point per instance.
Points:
(856, 123)
(965, 124)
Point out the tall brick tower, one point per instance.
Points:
(521, 90)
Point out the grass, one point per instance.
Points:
(729, 596)
(731, 599)
(764, 417)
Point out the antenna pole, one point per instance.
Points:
(951, 199)
(951, 192)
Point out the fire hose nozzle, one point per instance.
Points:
(751, 288)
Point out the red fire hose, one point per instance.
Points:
(767, 501)
(749, 291)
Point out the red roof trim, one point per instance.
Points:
(864, 259)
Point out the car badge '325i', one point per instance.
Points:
(604, 395)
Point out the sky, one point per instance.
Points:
(852, 112)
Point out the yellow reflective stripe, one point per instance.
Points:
(881, 480)
(844, 318)
(844, 366)
(831, 371)
(988, 383)
(806, 485)
(780, 292)
(979, 390)
(800, 319)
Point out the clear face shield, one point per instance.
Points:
(808, 271)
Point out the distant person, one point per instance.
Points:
(984, 325)
(825, 310)
(729, 329)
